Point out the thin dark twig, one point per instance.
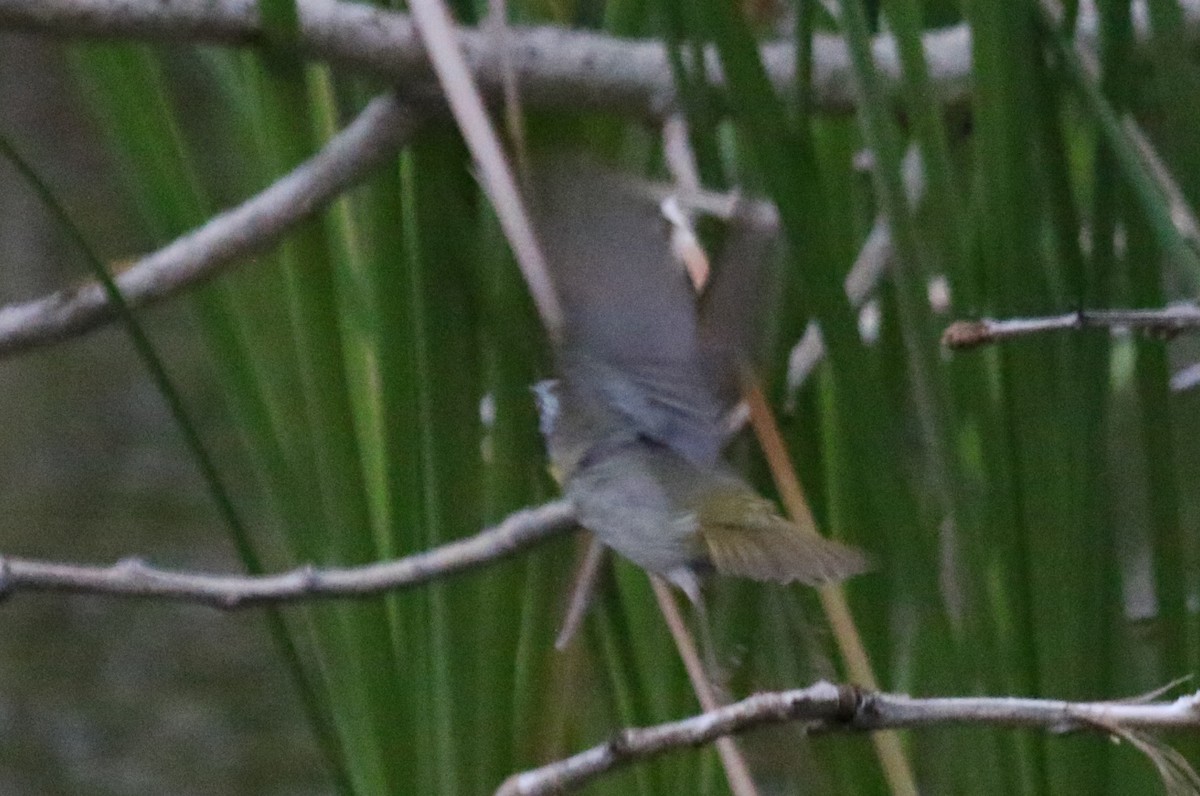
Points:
(1167, 322)
(159, 375)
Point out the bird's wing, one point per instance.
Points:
(734, 302)
(631, 338)
(610, 260)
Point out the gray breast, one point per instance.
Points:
(623, 499)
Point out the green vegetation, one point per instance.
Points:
(378, 365)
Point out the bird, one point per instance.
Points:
(648, 374)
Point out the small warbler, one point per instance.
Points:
(648, 376)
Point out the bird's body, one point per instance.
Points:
(645, 524)
(636, 422)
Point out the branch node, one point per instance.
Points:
(861, 708)
(229, 601)
(310, 578)
(853, 701)
(620, 745)
(1070, 723)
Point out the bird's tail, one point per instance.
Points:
(757, 543)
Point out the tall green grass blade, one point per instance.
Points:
(1177, 79)
(1115, 204)
(146, 351)
(1169, 545)
(911, 272)
(916, 338)
(513, 681)
(1115, 47)
(204, 461)
(1140, 179)
(1074, 563)
(374, 285)
(126, 85)
(1037, 574)
(631, 704)
(1174, 82)
(787, 162)
(442, 263)
(360, 663)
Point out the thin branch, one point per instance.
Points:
(681, 163)
(554, 67)
(1166, 322)
(832, 707)
(134, 578)
(379, 131)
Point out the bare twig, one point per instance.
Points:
(831, 707)
(554, 67)
(133, 578)
(681, 163)
(379, 131)
(1167, 322)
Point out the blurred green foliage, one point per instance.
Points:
(1018, 500)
